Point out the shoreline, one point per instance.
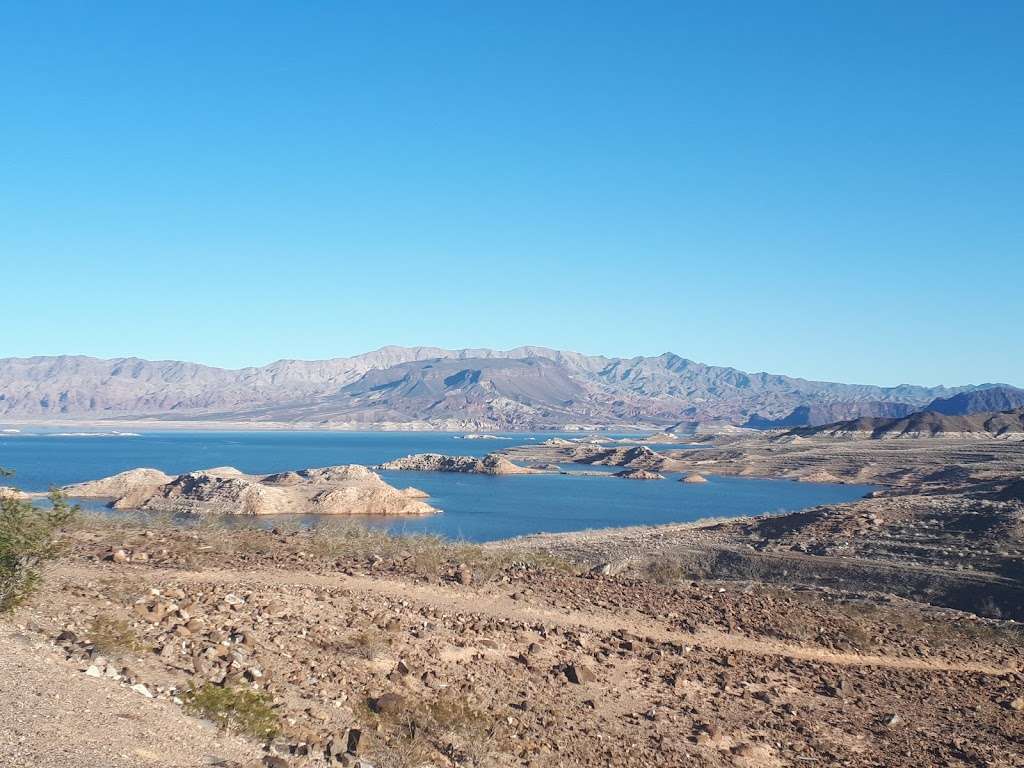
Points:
(218, 425)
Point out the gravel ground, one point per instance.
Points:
(54, 717)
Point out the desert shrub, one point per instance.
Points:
(113, 636)
(365, 645)
(663, 571)
(989, 608)
(233, 709)
(464, 734)
(425, 554)
(28, 539)
(490, 563)
(856, 636)
(407, 749)
(449, 725)
(353, 540)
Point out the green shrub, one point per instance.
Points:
(28, 539)
(233, 709)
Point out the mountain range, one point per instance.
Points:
(979, 401)
(1004, 424)
(428, 387)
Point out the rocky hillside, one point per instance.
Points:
(522, 388)
(1005, 424)
(986, 400)
(827, 413)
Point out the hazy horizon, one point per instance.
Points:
(507, 349)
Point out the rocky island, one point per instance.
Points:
(343, 490)
(639, 474)
(491, 464)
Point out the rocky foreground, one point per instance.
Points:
(343, 490)
(406, 652)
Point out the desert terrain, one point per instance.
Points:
(878, 633)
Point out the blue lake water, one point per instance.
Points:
(474, 507)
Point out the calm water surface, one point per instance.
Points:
(475, 507)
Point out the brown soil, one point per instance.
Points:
(453, 655)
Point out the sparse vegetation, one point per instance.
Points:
(365, 645)
(28, 539)
(408, 749)
(206, 540)
(663, 571)
(464, 734)
(112, 636)
(449, 725)
(234, 709)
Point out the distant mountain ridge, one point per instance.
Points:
(826, 413)
(1005, 424)
(999, 398)
(521, 388)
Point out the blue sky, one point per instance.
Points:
(831, 190)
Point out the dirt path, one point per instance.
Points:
(493, 602)
(55, 717)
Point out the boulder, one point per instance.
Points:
(579, 674)
(388, 704)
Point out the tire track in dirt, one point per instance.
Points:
(495, 603)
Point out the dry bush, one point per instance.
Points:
(425, 554)
(348, 539)
(490, 563)
(448, 726)
(663, 571)
(464, 734)
(112, 636)
(406, 750)
(366, 645)
(199, 540)
(243, 538)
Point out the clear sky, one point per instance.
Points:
(826, 189)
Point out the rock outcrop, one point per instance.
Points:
(637, 457)
(491, 464)
(7, 491)
(693, 477)
(639, 474)
(342, 490)
(128, 490)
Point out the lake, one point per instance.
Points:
(474, 507)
